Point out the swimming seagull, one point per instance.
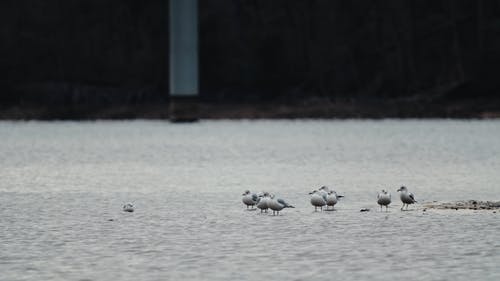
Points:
(128, 207)
(406, 197)
(250, 199)
(384, 199)
(317, 200)
(277, 205)
(262, 204)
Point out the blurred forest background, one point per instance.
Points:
(290, 58)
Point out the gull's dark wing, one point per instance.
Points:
(282, 202)
(412, 197)
(255, 197)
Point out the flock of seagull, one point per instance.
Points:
(320, 198)
(265, 201)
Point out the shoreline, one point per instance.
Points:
(464, 205)
(310, 109)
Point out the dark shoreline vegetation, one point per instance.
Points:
(312, 108)
(97, 59)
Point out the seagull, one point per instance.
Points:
(406, 197)
(128, 207)
(278, 204)
(324, 188)
(317, 200)
(384, 199)
(250, 199)
(332, 199)
(323, 191)
(263, 202)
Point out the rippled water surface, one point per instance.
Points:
(62, 186)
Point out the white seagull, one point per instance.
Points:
(250, 199)
(317, 199)
(406, 197)
(262, 204)
(128, 207)
(323, 191)
(277, 205)
(384, 199)
(324, 188)
(332, 199)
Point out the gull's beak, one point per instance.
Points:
(399, 189)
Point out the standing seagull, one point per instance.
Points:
(250, 199)
(277, 205)
(332, 198)
(317, 200)
(384, 199)
(406, 197)
(324, 191)
(263, 202)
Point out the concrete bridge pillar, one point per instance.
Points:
(183, 60)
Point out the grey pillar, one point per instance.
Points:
(183, 60)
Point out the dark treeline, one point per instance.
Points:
(94, 53)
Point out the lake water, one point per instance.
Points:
(62, 186)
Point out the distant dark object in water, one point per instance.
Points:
(111, 220)
(128, 208)
(364, 210)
